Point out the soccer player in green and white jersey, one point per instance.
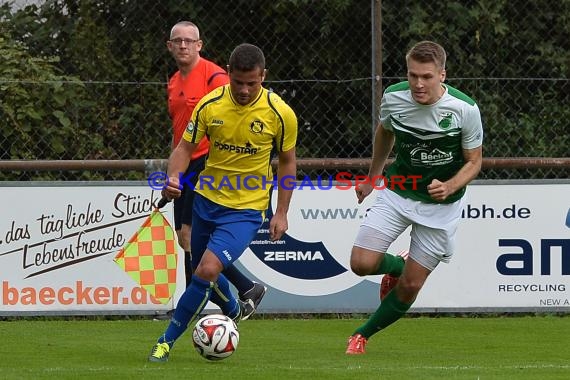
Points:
(437, 135)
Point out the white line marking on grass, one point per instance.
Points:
(521, 366)
(358, 367)
(456, 368)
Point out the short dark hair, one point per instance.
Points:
(428, 51)
(185, 23)
(246, 57)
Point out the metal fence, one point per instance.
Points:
(328, 59)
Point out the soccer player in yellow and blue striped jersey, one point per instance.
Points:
(195, 78)
(245, 123)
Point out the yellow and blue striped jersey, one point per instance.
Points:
(238, 171)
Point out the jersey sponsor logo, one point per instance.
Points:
(217, 122)
(479, 136)
(247, 148)
(421, 156)
(446, 120)
(256, 126)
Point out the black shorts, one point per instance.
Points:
(183, 204)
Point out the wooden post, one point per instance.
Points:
(376, 60)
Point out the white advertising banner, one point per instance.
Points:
(57, 245)
(512, 251)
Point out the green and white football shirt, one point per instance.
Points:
(429, 138)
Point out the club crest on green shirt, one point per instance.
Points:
(445, 122)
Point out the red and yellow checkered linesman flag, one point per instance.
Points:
(149, 257)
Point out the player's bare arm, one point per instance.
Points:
(382, 146)
(177, 163)
(287, 168)
(473, 159)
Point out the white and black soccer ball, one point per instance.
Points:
(215, 337)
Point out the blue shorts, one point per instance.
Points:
(225, 231)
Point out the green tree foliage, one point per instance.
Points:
(110, 50)
(85, 79)
(39, 114)
(512, 57)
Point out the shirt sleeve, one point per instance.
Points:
(385, 113)
(286, 136)
(472, 128)
(197, 126)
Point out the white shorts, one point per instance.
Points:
(434, 226)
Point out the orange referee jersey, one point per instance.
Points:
(185, 93)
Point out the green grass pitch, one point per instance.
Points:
(522, 347)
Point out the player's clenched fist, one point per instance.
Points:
(172, 189)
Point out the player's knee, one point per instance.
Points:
(358, 263)
(209, 268)
(357, 268)
(207, 272)
(409, 288)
